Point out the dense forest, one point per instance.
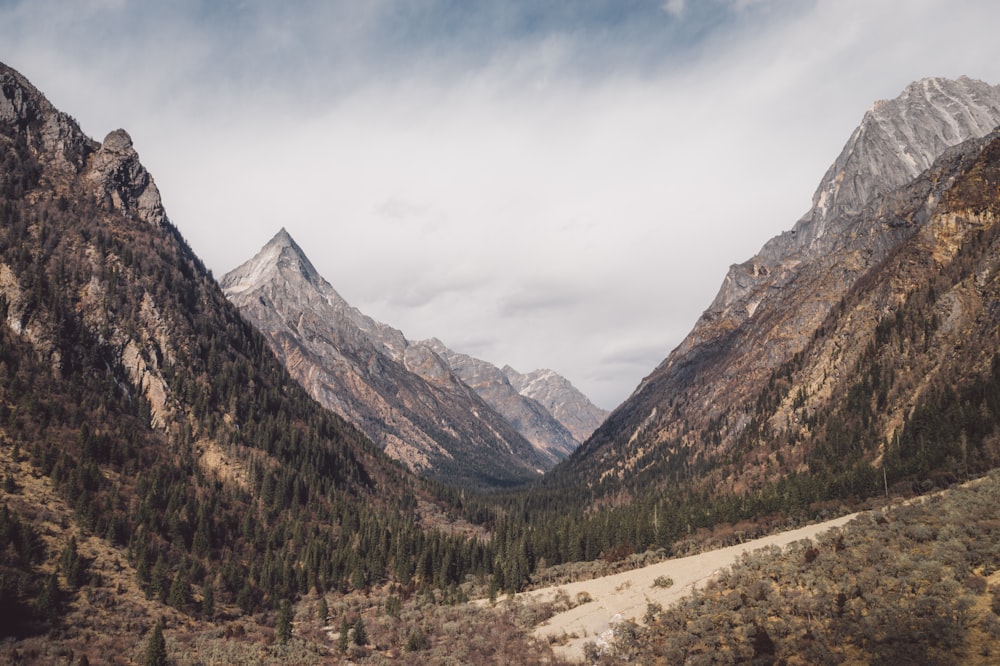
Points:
(307, 502)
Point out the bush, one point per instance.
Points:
(417, 640)
(663, 581)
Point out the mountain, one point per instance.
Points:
(158, 461)
(820, 354)
(563, 400)
(402, 395)
(546, 433)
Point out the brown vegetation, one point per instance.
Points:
(904, 585)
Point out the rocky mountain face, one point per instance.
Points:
(550, 437)
(751, 395)
(406, 398)
(421, 402)
(564, 401)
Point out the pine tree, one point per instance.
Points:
(208, 602)
(178, 597)
(284, 628)
(48, 602)
(72, 567)
(360, 634)
(158, 584)
(156, 649)
(323, 610)
(342, 638)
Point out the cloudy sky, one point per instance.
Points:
(540, 183)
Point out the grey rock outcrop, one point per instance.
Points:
(563, 400)
(124, 181)
(536, 423)
(896, 140)
(110, 175)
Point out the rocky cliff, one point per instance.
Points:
(149, 438)
(563, 400)
(547, 435)
(882, 195)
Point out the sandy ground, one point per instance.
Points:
(624, 596)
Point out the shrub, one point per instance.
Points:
(663, 581)
(417, 640)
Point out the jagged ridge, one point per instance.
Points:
(695, 406)
(407, 396)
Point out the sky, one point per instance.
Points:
(541, 183)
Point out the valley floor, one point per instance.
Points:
(604, 602)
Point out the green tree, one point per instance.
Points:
(284, 628)
(178, 592)
(158, 585)
(48, 602)
(345, 629)
(72, 566)
(360, 636)
(208, 602)
(156, 648)
(416, 641)
(323, 610)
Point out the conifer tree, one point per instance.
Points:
(284, 627)
(208, 602)
(360, 634)
(342, 638)
(48, 602)
(323, 610)
(178, 592)
(156, 649)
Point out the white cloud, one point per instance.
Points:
(674, 7)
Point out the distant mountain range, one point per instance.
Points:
(444, 414)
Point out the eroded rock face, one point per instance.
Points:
(875, 197)
(75, 167)
(532, 419)
(404, 396)
(896, 141)
(124, 182)
(563, 400)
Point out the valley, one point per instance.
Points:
(626, 596)
(252, 470)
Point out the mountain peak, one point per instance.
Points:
(896, 140)
(403, 396)
(282, 243)
(283, 238)
(280, 256)
(558, 395)
(881, 192)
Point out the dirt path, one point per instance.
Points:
(625, 595)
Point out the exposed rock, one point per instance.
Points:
(528, 416)
(877, 197)
(108, 173)
(124, 182)
(896, 140)
(563, 400)
(52, 134)
(404, 396)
